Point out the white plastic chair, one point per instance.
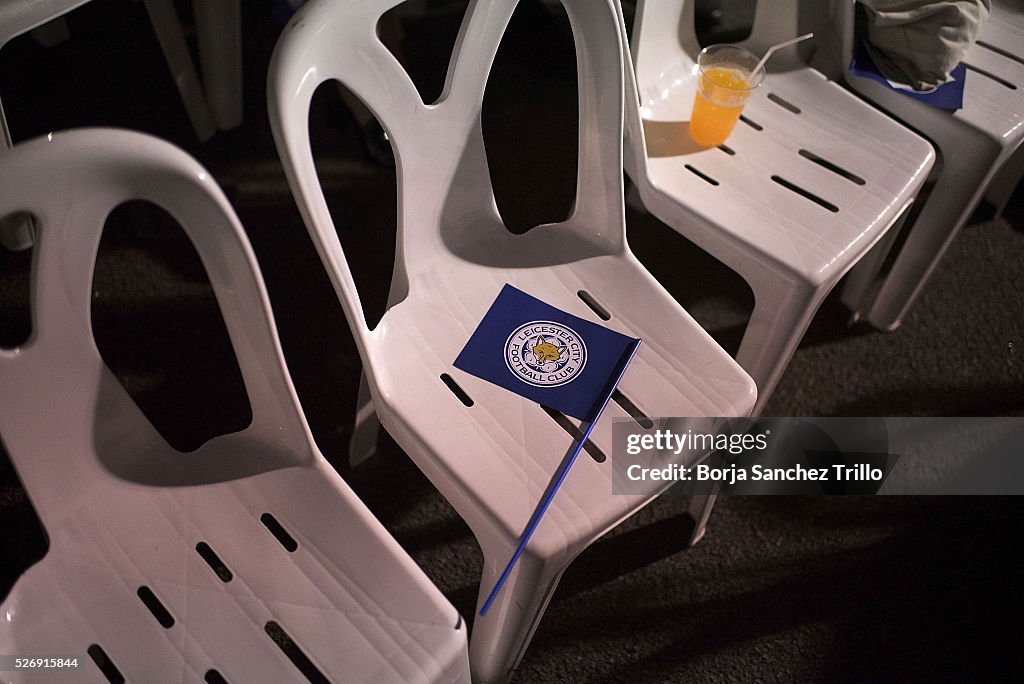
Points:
(979, 145)
(169, 565)
(808, 182)
(493, 459)
(21, 16)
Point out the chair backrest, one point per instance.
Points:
(663, 28)
(776, 21)
(69, 182)
(664, 48)
(446, 203)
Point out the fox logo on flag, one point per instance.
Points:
(547, 355)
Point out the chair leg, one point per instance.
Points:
(633, 200)
(363, 444)
(859, 283)
(5, 132)
(945, 212)
(16, 233)
(219, 29)
(172, 41)
(777, 324)
(700, 508)
(1006, 181)
(499, 639)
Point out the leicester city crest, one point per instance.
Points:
(545, 354)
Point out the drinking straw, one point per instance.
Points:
(773, 48)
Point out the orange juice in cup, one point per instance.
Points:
(726, 79)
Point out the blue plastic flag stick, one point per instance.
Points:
(545, 502)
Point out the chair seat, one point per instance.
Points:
(504, 449)
(815, 240)
(328, 595)
(123, 510)
(996, 105)
(993, 99)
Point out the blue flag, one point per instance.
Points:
(949, 96)
(556, 359)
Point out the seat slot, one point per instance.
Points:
(750, 122)
(280, 534)
(106, 665)
(299, 659)
(998, 79)
(834, 168)
(450, 383)
(806, 194)
(563, 422)
(1001, 51)
(156, 607)
(214, 561)
(785, 104)
(703, 176)
(634, 411)
(589, 300)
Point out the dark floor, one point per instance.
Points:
(782, 589)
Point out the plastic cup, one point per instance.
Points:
(726, 79)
